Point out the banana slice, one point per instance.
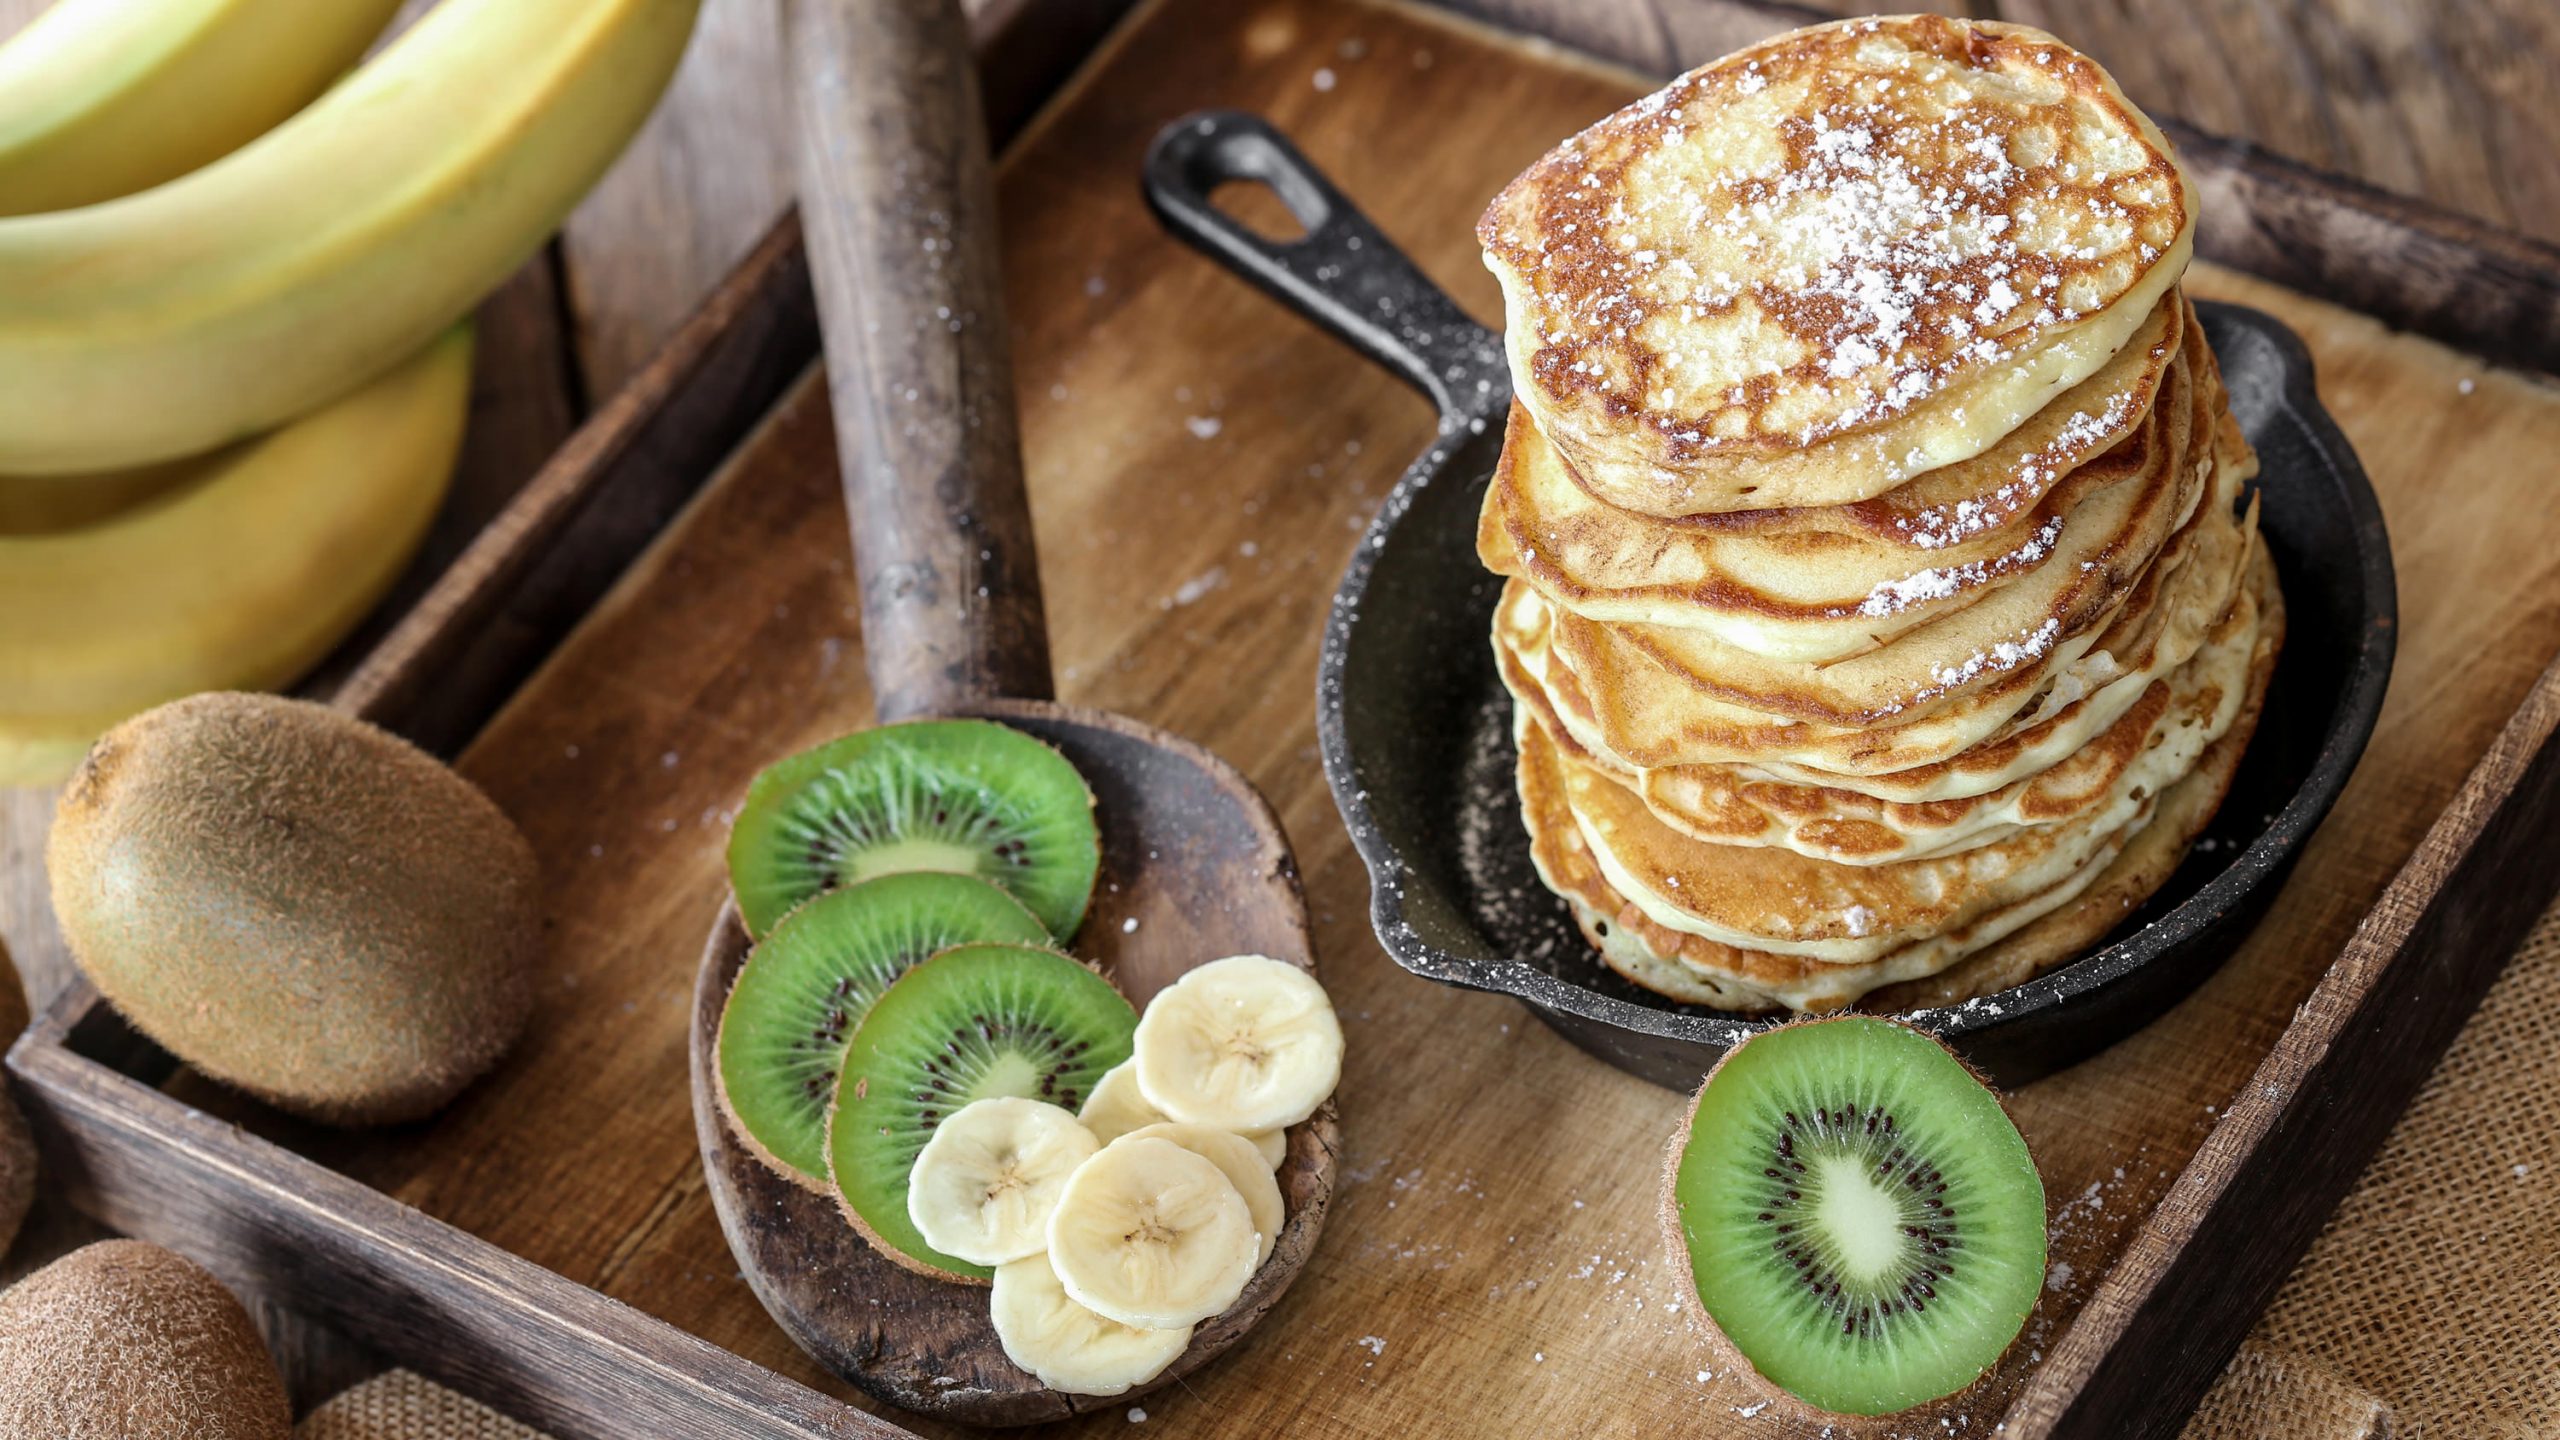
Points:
(1271, 1145)
(1151, 1235)
(983, 1186)
(1244, 1044)
(1117, 1107)
(1068, 1347)
(1236, 1158)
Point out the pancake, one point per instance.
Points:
(1825, 584)
(2195, 576)
(1777, 900)
(2000, 949)
(1839, 259)
(2140, 869)
(2171, 721)
(2082, 570)
(1697, 970)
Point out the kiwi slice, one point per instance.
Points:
(969, 797)
(1862, 1222)
(806, 987)
(971, 1023)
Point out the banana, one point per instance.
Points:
(1117, 1107)
(1152, 1235)
(1245, 1044)
(1242, 1164)
(1068, 1347)
(232, 299)
(242, 578)
(49, 504)
(101, 98)
(983, 1186)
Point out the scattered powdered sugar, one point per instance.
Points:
(1374, 1344)
(2031, 476)
(1895, 596)
(1204, 427)
(1893, 240)
(2003, 656)
(1192, 590)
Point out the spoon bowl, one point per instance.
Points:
(1194, 868)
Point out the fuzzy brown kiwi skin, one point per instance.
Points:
(1729, 1357)
(127, 1339)
(213, 856)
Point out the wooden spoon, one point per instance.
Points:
(898, 203)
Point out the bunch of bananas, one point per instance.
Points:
(235, 277)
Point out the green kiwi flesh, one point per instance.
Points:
(807, 986)
(298, 904)
(1862, 1221)
(129, 1340)
(966, 796)
(972, 1023)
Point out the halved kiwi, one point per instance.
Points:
(1861, 1221)
(969, 1024)
(807, 986)
(968, 797)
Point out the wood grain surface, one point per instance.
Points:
(2454, 102)
(1201, 464)
(1485, 1247)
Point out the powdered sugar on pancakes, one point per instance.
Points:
(1939, 526)
(1848, 225)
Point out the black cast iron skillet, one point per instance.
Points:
(1416, 726)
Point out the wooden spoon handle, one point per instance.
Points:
(898, 202)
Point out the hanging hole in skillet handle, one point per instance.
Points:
(1342, 273)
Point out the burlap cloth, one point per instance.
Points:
(405, 1406)
(2430, 1307)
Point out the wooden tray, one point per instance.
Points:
(1202, 463)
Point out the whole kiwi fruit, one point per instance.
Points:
(127, 1341)
(298, 904)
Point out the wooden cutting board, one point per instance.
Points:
(1201, 465)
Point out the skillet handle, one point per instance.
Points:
(1342, 274)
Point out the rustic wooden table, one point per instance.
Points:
(2449, 100)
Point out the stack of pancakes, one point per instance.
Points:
(1886, 615)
